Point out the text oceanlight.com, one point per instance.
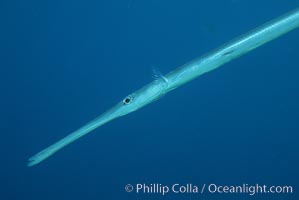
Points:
(189, 188)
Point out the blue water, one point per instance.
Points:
(65, 62)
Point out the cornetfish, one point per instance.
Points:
(183, 74)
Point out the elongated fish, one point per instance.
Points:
(189, 71)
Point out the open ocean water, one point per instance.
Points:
(63, 63)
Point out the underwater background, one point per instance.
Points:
(65, 62)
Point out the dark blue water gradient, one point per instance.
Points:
(65, 62)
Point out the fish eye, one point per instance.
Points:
(127, 100)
